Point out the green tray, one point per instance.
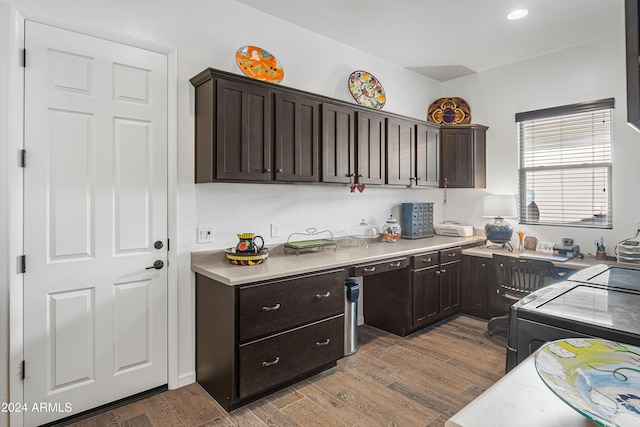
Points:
(306, 244)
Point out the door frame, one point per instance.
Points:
(15, 125)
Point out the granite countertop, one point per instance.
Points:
(213, 264)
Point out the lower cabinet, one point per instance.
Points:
(254, 339)
(475, 287)
(435, 286)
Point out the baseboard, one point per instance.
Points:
(186, 379)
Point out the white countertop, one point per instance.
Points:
(520, 399)
(213, 264)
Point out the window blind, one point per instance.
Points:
(565, 165)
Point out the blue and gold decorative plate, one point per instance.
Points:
(598, 378)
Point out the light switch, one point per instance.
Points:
(205, 235)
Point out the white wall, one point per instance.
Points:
(207, 34)
(583, 73)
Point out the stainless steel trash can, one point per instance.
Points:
(351, 316)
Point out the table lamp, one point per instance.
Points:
(499, 207)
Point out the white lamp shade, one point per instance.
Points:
(503, 206)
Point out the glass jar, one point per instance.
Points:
(391, 230)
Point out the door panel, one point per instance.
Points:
(95, 200)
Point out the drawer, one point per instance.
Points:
(449, 255)
(272, 307)
(380, 267)
(268, 362)
(424, 260)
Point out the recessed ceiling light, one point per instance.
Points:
(517, 14)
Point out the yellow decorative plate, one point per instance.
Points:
(237, 258)
(449, 111)
(366, 89)
(259, 64)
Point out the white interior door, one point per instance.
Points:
(95, 203)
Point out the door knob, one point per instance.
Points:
(157, 265)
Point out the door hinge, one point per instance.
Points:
(22, 264)
(23, 58)
(23, 370)
(23, 158)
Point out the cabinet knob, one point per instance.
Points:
(272, 308)
(438, 271)
(443, 270)
(268, 170)
(279, 170)
(273, 362)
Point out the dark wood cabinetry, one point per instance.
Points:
(296, 138)
(401, 139)
(252, 131)
(435, 286)
(338, 144)
(463, 156)
(371, 148)
(477, 273)
(427, 153)
(256, 338)
(238, 117)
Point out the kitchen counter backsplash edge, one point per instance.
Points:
(214, 265)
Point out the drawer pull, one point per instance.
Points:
(452, 254)
(394, 264)
(370, 269)
(426, 259)
(272, 308)
(274, 362)
(323, 343)
(325, 295)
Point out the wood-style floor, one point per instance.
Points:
(419, 380)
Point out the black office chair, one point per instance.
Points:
(518, 277)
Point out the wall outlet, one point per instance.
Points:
(275, 230)
(205, 235)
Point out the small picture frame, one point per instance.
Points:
(530, 243)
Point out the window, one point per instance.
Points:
(565, 165)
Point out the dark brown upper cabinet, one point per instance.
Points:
(632, 17)
(371, 148)
(427, 153)
(401, 137)
(237, 116)
(296, 138)
(338, 144)
(463, 156)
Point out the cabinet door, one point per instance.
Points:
(296, 144)
(427, 156)
(400, 146)
(338, 144)
(450, 287)
(243, 132)
(463, 159)
(425, 295)
(370, 148)
(475, 285)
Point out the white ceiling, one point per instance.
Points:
(449, 39)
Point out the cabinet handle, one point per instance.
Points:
(451, 255)
(273, 362)
(443, 270)
(369, 269)
(484, 265)
(272, 308)
(394, 264)
(438, 271)
(325, 295)
(426, 259)
(323, 343)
